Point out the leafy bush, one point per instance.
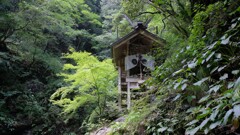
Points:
(204, 78)
(90, 84)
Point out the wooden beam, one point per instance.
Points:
(153, 37)
(125, 40)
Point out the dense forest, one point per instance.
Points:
(57, 76)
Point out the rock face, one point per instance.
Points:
(107, 130)
(102, 131)
(121, 119)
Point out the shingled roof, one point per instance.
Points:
(140, 29)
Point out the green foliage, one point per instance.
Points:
(91, 84)
(51, 25)
(103, 47)
(198, 73)
(196, 81)
(203, 74)
(33, 34)
(24, 94)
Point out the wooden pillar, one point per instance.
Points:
(119, 89)
(128, 83)
(128, 96)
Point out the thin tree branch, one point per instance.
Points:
(147, 12)
(129, 20)
(164, 24)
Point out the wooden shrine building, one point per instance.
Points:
(132, 56)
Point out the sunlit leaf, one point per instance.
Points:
(203, 55)
(201, 81)
(190, 110)
(204, 123)
(177, 97)
(177, 72)
(225, 119)
(224, 77)
(203, 99)
(182, 51)
(210, 102)
(160, 124)
(192, 131)
(221, 68)
(218, 55)
(206, 130)
(230, 85)
(214, 114)
(215, 88)
(176, 85)
(153, 128)
(225, 41)
(235, 72)
(183, 61)
(184, 86)
(236, 110)
(234, 25)
(162, 129)
(170, 129)
(210, 56)
(237, 83)
(192, 65)
(215, 124)
(192, 122)
(212, 45)
(214, 70)
(205, 113)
